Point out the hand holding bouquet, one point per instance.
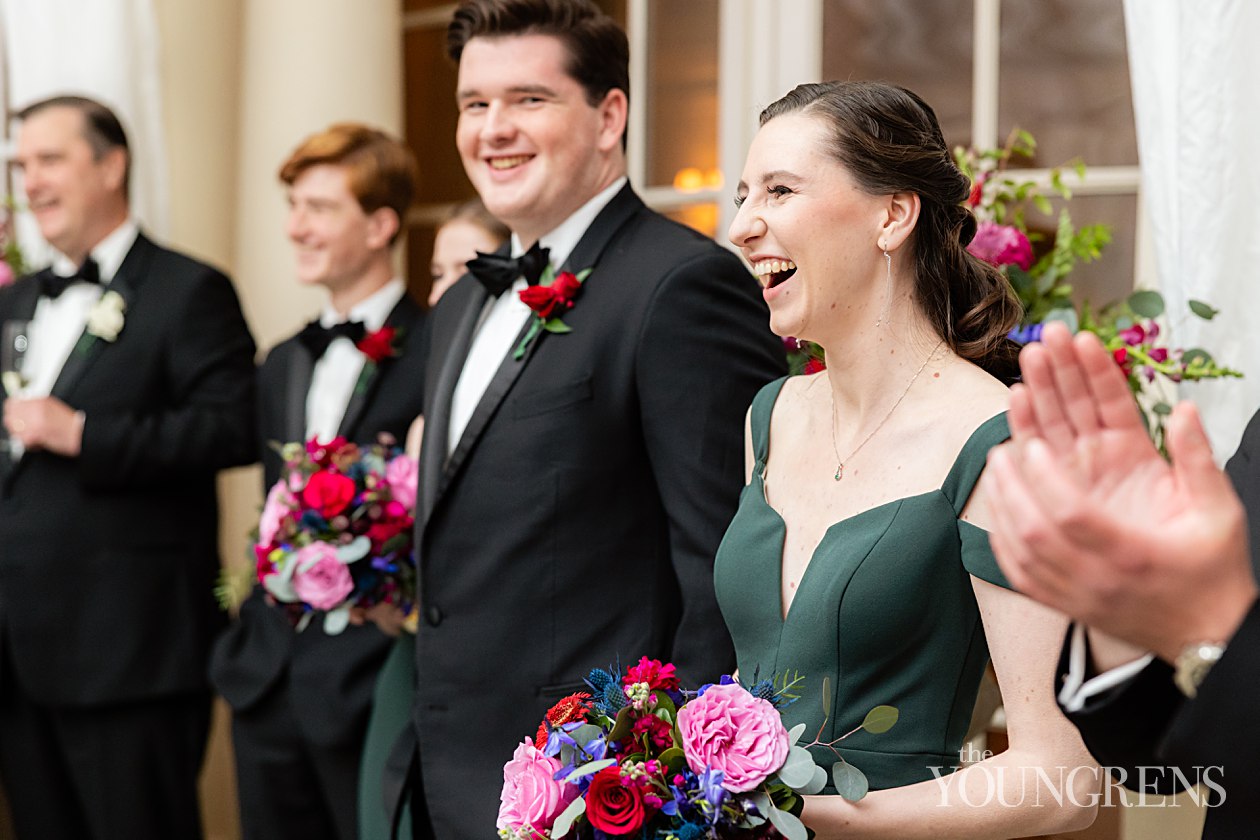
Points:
(336, 531)
(637, 756)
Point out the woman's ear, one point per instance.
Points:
(901, 214)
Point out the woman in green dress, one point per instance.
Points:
(860, 513)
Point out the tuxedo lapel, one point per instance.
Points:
(301, 367)
(89, 347)
(365, 388)
(438, 418)
(585, 255)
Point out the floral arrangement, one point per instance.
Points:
(638, 756)
(336, 531)
(12, 265)
(1129, 328)
(553, 296)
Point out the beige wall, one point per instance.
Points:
(243, 82)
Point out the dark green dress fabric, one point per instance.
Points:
(885, 609)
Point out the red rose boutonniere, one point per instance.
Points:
(377, 347)
(550, 299)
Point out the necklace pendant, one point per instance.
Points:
(839, 472)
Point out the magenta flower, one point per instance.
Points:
(1001, 245)
(728, 729)
(402, 475)
(280, 502)
(1133, 335)
(321, 580)
(1159, 354)
(531, 797)
(6, 274)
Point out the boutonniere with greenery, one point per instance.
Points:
(377, 346)
(105, 321)
(550, 299)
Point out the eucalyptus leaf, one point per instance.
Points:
(850, 782)
(565, 821)
(590, 768)
(1203, 310)
(1065, 315)
(787, 824)
(826, 697)
(795, 733)
(585, 733)
(761, 799)
(280, 586)
(1196, 355)
(880, 719)
(336, 621)
(816, 784)
(303, 621)
(1163, 409)
(798, 770)
(354, 550)
(1147, 303)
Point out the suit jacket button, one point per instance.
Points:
(433, 615)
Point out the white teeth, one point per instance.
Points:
(764, 267)
(507, 162)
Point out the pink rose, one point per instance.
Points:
(531, 797)
(403, 474)
(728, 729)
(1001, 245)
(320, 579)
(279, 504)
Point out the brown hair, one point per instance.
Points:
(599, 53)
(382, 171)
(102, 129)
(888, 140)
(473, 210)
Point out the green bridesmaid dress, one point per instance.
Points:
(885, 610)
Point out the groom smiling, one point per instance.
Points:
(583, 448)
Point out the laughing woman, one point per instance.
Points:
(859, 552)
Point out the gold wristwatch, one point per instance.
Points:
(1193, 664)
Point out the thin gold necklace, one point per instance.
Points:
(835, 420)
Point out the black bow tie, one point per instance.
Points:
(316, 338)
(51, 284)
(497, 272)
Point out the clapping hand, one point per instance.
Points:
(1089, 519)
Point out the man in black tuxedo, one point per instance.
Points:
(1152, 559)
(574, 485)
(301, 700)
(139, 389)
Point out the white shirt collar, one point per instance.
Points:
(568, 233)
(109, 253)
(372, 310)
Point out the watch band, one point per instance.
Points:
(1193, 664)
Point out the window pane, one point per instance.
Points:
(923, 45)
(1065, 77)
(1110, 277)
(682, 107)
(702, 217)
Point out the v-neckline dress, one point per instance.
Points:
(885, 609)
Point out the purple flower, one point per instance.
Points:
(1026, 333)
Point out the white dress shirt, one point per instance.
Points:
(505, 317)
(57, 324)
(337, 371)
(1077, 690)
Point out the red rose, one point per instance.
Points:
(571, 708)
(378, 345)
(612, 807)
(566, 286)
(541, 299)
(382, 532)
(813, 365)
(328, 492)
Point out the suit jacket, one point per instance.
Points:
(330, 677)
(575, 523)
(108, 561)
(1148, 722)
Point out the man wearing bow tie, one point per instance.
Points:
(575, 479)
(138, 389)
(301, 700)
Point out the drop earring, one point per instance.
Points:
(888, 290)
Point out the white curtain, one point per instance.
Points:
(1195, 70)
(105, 49)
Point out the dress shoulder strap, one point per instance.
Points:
(759, 420)
(967, 467)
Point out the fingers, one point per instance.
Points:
(1191, 454)
(1073, 392)
(1044, 404)
(1108, 389)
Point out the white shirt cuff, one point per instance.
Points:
(1077, 690)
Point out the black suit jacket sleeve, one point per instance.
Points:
(207, 421)
(693, 429)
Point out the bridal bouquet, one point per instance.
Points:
(637, 756)
(336, 531)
